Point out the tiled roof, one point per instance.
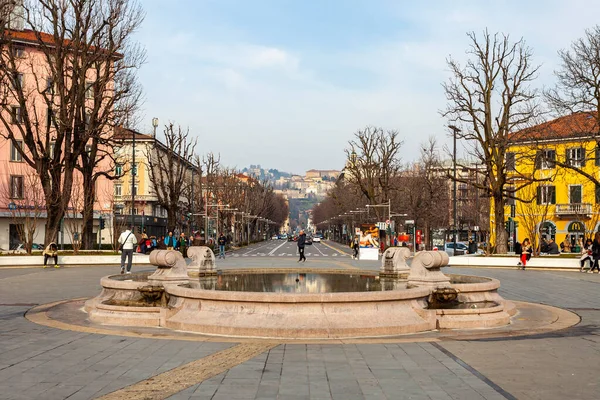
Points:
(30, 36)
(127, 134)
(576, 125)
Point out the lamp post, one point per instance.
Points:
(455, 130)
(133, 174)
(154, 125)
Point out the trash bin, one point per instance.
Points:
(577, 249)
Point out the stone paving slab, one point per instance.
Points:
(42, 362)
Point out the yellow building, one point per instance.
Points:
(553, 199)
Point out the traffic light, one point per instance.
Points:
(510, 225)
(189, 215)
(102, 223)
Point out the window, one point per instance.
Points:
(597, 194)
(16, 187)
(118, 190)
(597, 156)
(17, 80)
(89, 90)
(51, 149)
(50, 86)
(575, 194)
(88, 118)
(511, 162)
(575, 157)
(135, 190)
(546, 195)
(50, 117)
(18, 51)
(88, 149)
(118, 169)
(545, 159)
(15, 155)
(17, 115)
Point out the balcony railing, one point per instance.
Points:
(583, 209)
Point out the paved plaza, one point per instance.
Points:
(44, 362)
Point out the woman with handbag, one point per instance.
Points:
(526, 251)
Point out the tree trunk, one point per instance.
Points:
(171, 219)
(501, 234)
(55, 214)
(87, 213)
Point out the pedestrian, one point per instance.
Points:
(127, 242)
(182, 244)
(301, 243)
(222, 241)
(565, 246)
(525, 252)
(586, 255)
(160, 243)
(595, 253)
(170, 241)
(552, 247)
(355, 247)
(472, 246)
(51, 251)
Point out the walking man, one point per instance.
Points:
(222, 240)
(182, 245)
(301, 243)
(170, 241)
(128, 242)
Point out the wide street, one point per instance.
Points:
(49, 360)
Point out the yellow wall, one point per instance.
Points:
(560, 178)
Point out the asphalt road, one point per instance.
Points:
(283, 248)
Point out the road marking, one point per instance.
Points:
(174, 381)
(276, 248)
(334, 255)
(259, 247)
(319, 250)
(334, 249)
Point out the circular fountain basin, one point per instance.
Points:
(293, 304)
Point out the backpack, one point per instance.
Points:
(518, 248)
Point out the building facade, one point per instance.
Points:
(546, 166)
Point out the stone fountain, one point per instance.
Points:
(411, 294)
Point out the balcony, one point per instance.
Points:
(581, 210)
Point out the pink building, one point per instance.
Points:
(22, 202)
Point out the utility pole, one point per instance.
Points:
(454, 130)
(133, 174)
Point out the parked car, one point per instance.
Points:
(35, 246)
(461, 248)
(316, 239)
(308, 241)
(283, 236)
(274, 237)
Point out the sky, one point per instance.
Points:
(287, 83)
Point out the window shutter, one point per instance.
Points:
(539, 195)
(582, 150)
(538, 161)
(552, 157)
(553, 194)
(597, 155)
(568, 156)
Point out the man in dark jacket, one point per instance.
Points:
(301, 243)
(222, 241)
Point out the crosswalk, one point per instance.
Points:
(286, 255)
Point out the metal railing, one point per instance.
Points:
(574, 209)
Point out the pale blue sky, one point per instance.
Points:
(286, 83)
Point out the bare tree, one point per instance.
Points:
(170, 168)
(532, 213)
(66, 80)
(372, 163)
(73, 222)
(488, 99)
(577, 91)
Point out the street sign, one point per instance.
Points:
(512, 210)
(409, 222)
(12, 206)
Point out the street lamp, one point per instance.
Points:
(154, 125)
(455, 130)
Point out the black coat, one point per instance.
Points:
(595, 250)
(301, 240)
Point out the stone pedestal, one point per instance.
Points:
(425, 269)
(172, 268)
(203, 261)
(393, 262)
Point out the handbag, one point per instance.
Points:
(121, 245)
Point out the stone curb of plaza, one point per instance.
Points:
(89, 260)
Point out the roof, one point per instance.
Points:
(127, 134)
(577, 125)
(30, 36)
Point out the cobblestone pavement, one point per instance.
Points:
(38, 362)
